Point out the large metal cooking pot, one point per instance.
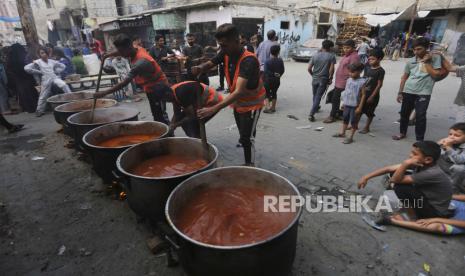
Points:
(62, 112)
(147, 195)
(104, 158)
(273, 256)
(80, 124)
(60, 99)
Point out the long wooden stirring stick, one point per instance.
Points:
(96, 90)
(203, 133)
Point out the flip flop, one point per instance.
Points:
(398, 137)
(348, 141)
(16, 128)
(338, 135)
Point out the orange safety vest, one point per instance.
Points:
(252, 101)
(148, 82)
(209, 96)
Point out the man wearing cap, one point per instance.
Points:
(342, 74)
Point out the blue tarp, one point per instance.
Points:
(9, 19)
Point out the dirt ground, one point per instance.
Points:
(57, 217)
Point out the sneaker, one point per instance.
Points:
(311, 118)
(267, 111)
(329, 120)
(39, 114)
(220, 89)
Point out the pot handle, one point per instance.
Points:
(173, 243)
(124, 181)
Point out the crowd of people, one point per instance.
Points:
(434, 172)
(32, 77)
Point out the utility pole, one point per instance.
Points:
(28, 25)
(409, 34)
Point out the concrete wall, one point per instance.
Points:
(101, 8)
(385, 6)
(176, 3)
(42, 14)
(8, 35)
(251, 12)
(301, 29)
(209, 14)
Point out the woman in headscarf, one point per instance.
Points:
(23, 82)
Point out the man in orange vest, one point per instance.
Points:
(146, 73)
(187, 97)
(247, 95)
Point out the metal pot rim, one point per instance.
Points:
(84, 138)
(53, 100)
(230, 247)
(68, 111)
(98, 124)
(118, 161)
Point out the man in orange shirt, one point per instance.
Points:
(247, 95)
(145, 72)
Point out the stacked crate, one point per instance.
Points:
(354, 26)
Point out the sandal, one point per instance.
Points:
(348, 141)
(398, 137)
(364, 131)
(16, 128)
(338, 135)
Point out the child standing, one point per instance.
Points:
(374, 74)
(274, 69)
(353, 98)
(48, 70)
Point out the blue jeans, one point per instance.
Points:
(319, 88)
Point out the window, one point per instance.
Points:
(324, 17)
(284, 25)
(49, 4)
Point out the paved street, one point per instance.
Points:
(59, 200)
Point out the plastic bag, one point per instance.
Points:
(92, 63)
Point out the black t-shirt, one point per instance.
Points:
(158, 53)
(186, 94)
(192, 52)
(373, 76)
(249, 68)
(274, 65)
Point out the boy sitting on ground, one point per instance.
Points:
(452, 160)
(428, 190)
